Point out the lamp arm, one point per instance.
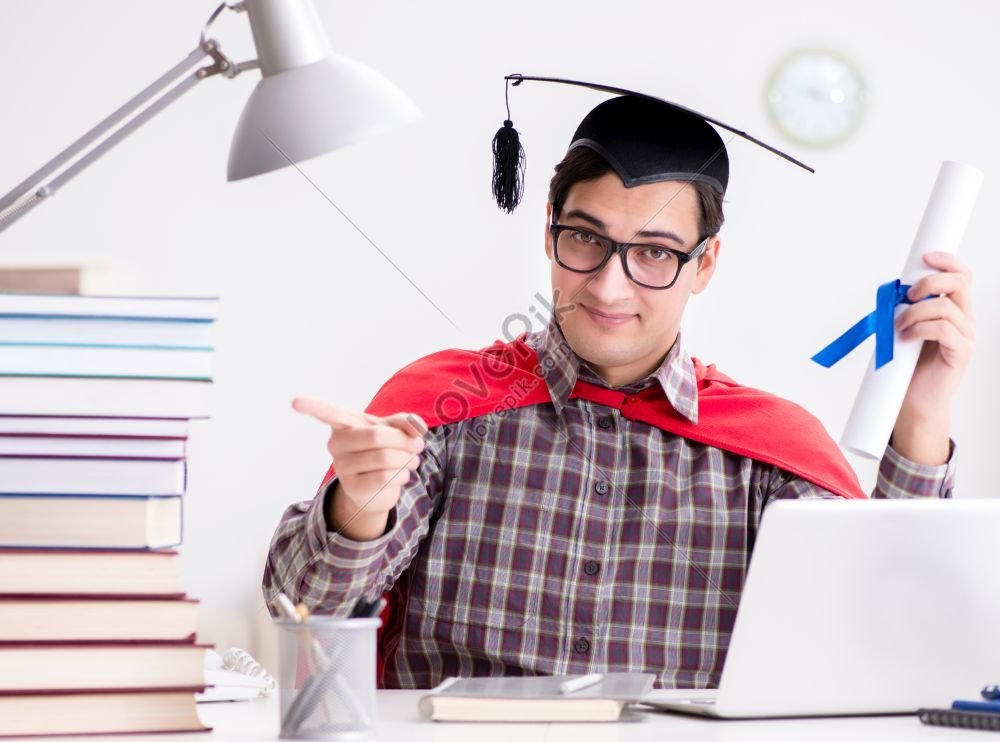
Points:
(23, 199)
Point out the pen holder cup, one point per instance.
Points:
(326, 678)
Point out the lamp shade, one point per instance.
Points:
(312, 109)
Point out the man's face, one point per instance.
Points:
(644, 321)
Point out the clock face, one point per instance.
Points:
(816, 97)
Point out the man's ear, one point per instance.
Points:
(548, 234)
(706, 265)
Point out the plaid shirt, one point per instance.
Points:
(561, 538)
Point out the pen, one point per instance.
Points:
(366, 609)
(287, 608)
(584, 681)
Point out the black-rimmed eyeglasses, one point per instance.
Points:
(649, 265)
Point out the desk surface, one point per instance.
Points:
(399, 721)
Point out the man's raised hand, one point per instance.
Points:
(373, 458)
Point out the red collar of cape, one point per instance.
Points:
(454, 385)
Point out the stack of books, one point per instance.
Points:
(96, 396)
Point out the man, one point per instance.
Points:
(586, 497)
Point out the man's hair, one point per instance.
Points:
(582, 163)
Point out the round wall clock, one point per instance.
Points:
(816, 97)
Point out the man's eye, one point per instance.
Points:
(656, 253)
(585, 237)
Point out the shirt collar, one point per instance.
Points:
(561, 368)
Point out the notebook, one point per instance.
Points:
(533, 699)
(986, 721)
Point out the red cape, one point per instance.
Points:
(454, 385)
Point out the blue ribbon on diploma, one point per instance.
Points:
(878, 323)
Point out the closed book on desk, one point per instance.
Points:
(116, 522)
(42, 475)
(534, 699)
(39, 618)
(37, 667)
(100, 713)
(83, 571)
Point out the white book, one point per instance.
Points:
(33, 522)
(49, 476)
(91, 446)
(101, 666)
(69, 360)
(99, 331)
(83, 396)
(76, 305)
(93, 426)
(29, 571)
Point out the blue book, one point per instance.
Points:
(107, 331)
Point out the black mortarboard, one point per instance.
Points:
(644, 138)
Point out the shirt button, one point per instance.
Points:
(601, 488)
(591, 567)
(604, 421)
(581, 646)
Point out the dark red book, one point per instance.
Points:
(115, 711)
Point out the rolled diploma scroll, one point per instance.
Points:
(880, 398)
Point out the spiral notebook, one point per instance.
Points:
(982, 720)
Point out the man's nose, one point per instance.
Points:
(611, 283)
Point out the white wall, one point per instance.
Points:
(310, 306)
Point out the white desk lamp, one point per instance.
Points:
(310, 101)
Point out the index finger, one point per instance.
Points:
(409, 422)
(334, 416)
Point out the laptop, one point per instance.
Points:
(862, 607)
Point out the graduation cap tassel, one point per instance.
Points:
(508, 165)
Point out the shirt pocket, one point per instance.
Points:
(477, 611)
(487, 591)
